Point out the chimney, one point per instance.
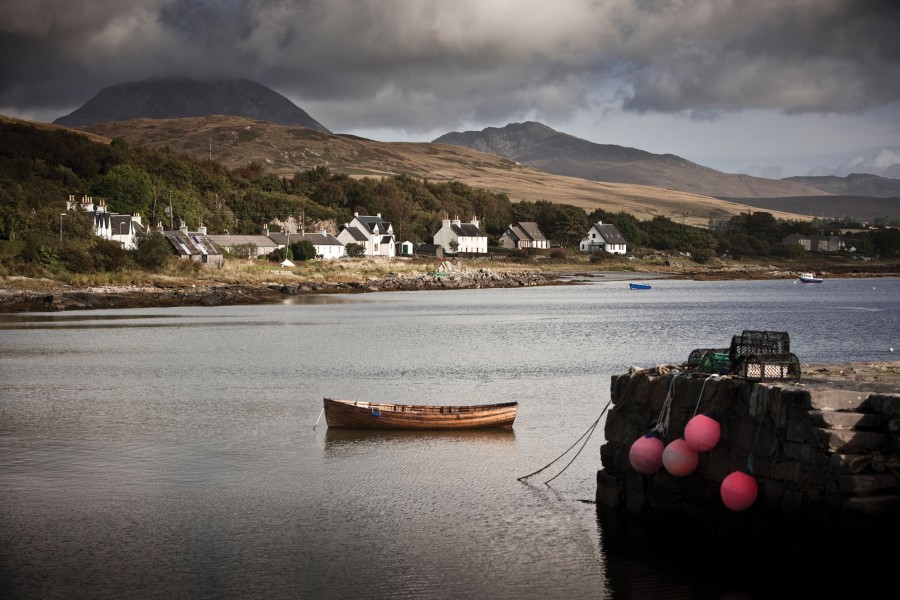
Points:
(456, 221)
(265, 229)
(378, 215)
(159, 227)
(356, 214)
(445, 223)
(475, 221)
(202, 229)
(136, 217)
(183, 227)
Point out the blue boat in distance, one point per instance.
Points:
(639, 286)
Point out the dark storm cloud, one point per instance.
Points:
(420, 64)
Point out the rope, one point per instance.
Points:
(753, 447)
(317, 420)
(590, 430)
(665, 414)
(703, 387)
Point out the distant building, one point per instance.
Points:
(461, 238)
(110, 226)
(373, 233)
(524, 234)
(246, 246)
(603, 237)
(815, 243)
(195, 246)
(430, 250)
(405, 248)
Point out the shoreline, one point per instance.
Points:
(56, 297)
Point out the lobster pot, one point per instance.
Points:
(759, 342)
(760, 367)
(716, 363)
(696, 356)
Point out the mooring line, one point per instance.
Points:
(317, 420)
(587, 433)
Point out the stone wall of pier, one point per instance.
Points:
(819, 453)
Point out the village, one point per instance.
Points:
(363, 235)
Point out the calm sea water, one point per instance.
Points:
(171, 453)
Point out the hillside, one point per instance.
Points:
(285, 150)
(50, 127)
(539, 146)
(864, 208)
(176, 98)
(855, 184)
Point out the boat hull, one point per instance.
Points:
(368, 415)
(639, 286)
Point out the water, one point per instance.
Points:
(171, 452)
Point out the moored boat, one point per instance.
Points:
(810, 278)
(639, 286)
(370, 415)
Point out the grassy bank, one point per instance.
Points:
(260, 272)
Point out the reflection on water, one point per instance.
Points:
(338, 439)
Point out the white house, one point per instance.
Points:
(246, 246)
(111, 226)
(603, 237)
(524, 234)
(327, 246)
(461, 238)
(374, 234)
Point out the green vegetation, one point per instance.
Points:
(40, 168)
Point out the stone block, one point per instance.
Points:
(786, 471)
(886, 404)
(607, 490)
(867, 484)
(635, 493)
(772, 493)
(874, 505)
(836, 399)
(796, 431)
(848, 442)
(801, 452)
(834, 419)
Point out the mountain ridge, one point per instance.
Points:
(168, 98)
(542, 147)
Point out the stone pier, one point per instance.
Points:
(824, 452)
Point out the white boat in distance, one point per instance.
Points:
(810, 278)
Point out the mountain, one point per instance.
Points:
(539, 146)
(855, 184)
(284, 150)
(177, 98)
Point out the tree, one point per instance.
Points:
(303, 250)
(353, 249)
(887, 242)
(153, 251)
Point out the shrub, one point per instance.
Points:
(153, 251)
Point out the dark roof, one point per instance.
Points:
(526, 230)
(467, 230)
(321, 239)
(190, 244)
(371, 222)
(429, 249)
(610, 234)
(358, 235)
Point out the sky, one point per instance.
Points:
(775, 88)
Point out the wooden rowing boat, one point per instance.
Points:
(369, 415)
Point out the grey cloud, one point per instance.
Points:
(414, 64)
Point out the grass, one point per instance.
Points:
(261, 272)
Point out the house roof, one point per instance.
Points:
(467, 230)
(429, 249)
(609, 233)
(356, 234)
(526, 230)
(191, 244)
(260, 241)
(371, 221)
(322, 239)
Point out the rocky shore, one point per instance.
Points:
(448, 276)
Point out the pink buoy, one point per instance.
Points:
(702, 432)
(646, 454)
(679, 458)
(738, 491)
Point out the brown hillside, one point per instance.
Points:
(48, 127)
(285, 150)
